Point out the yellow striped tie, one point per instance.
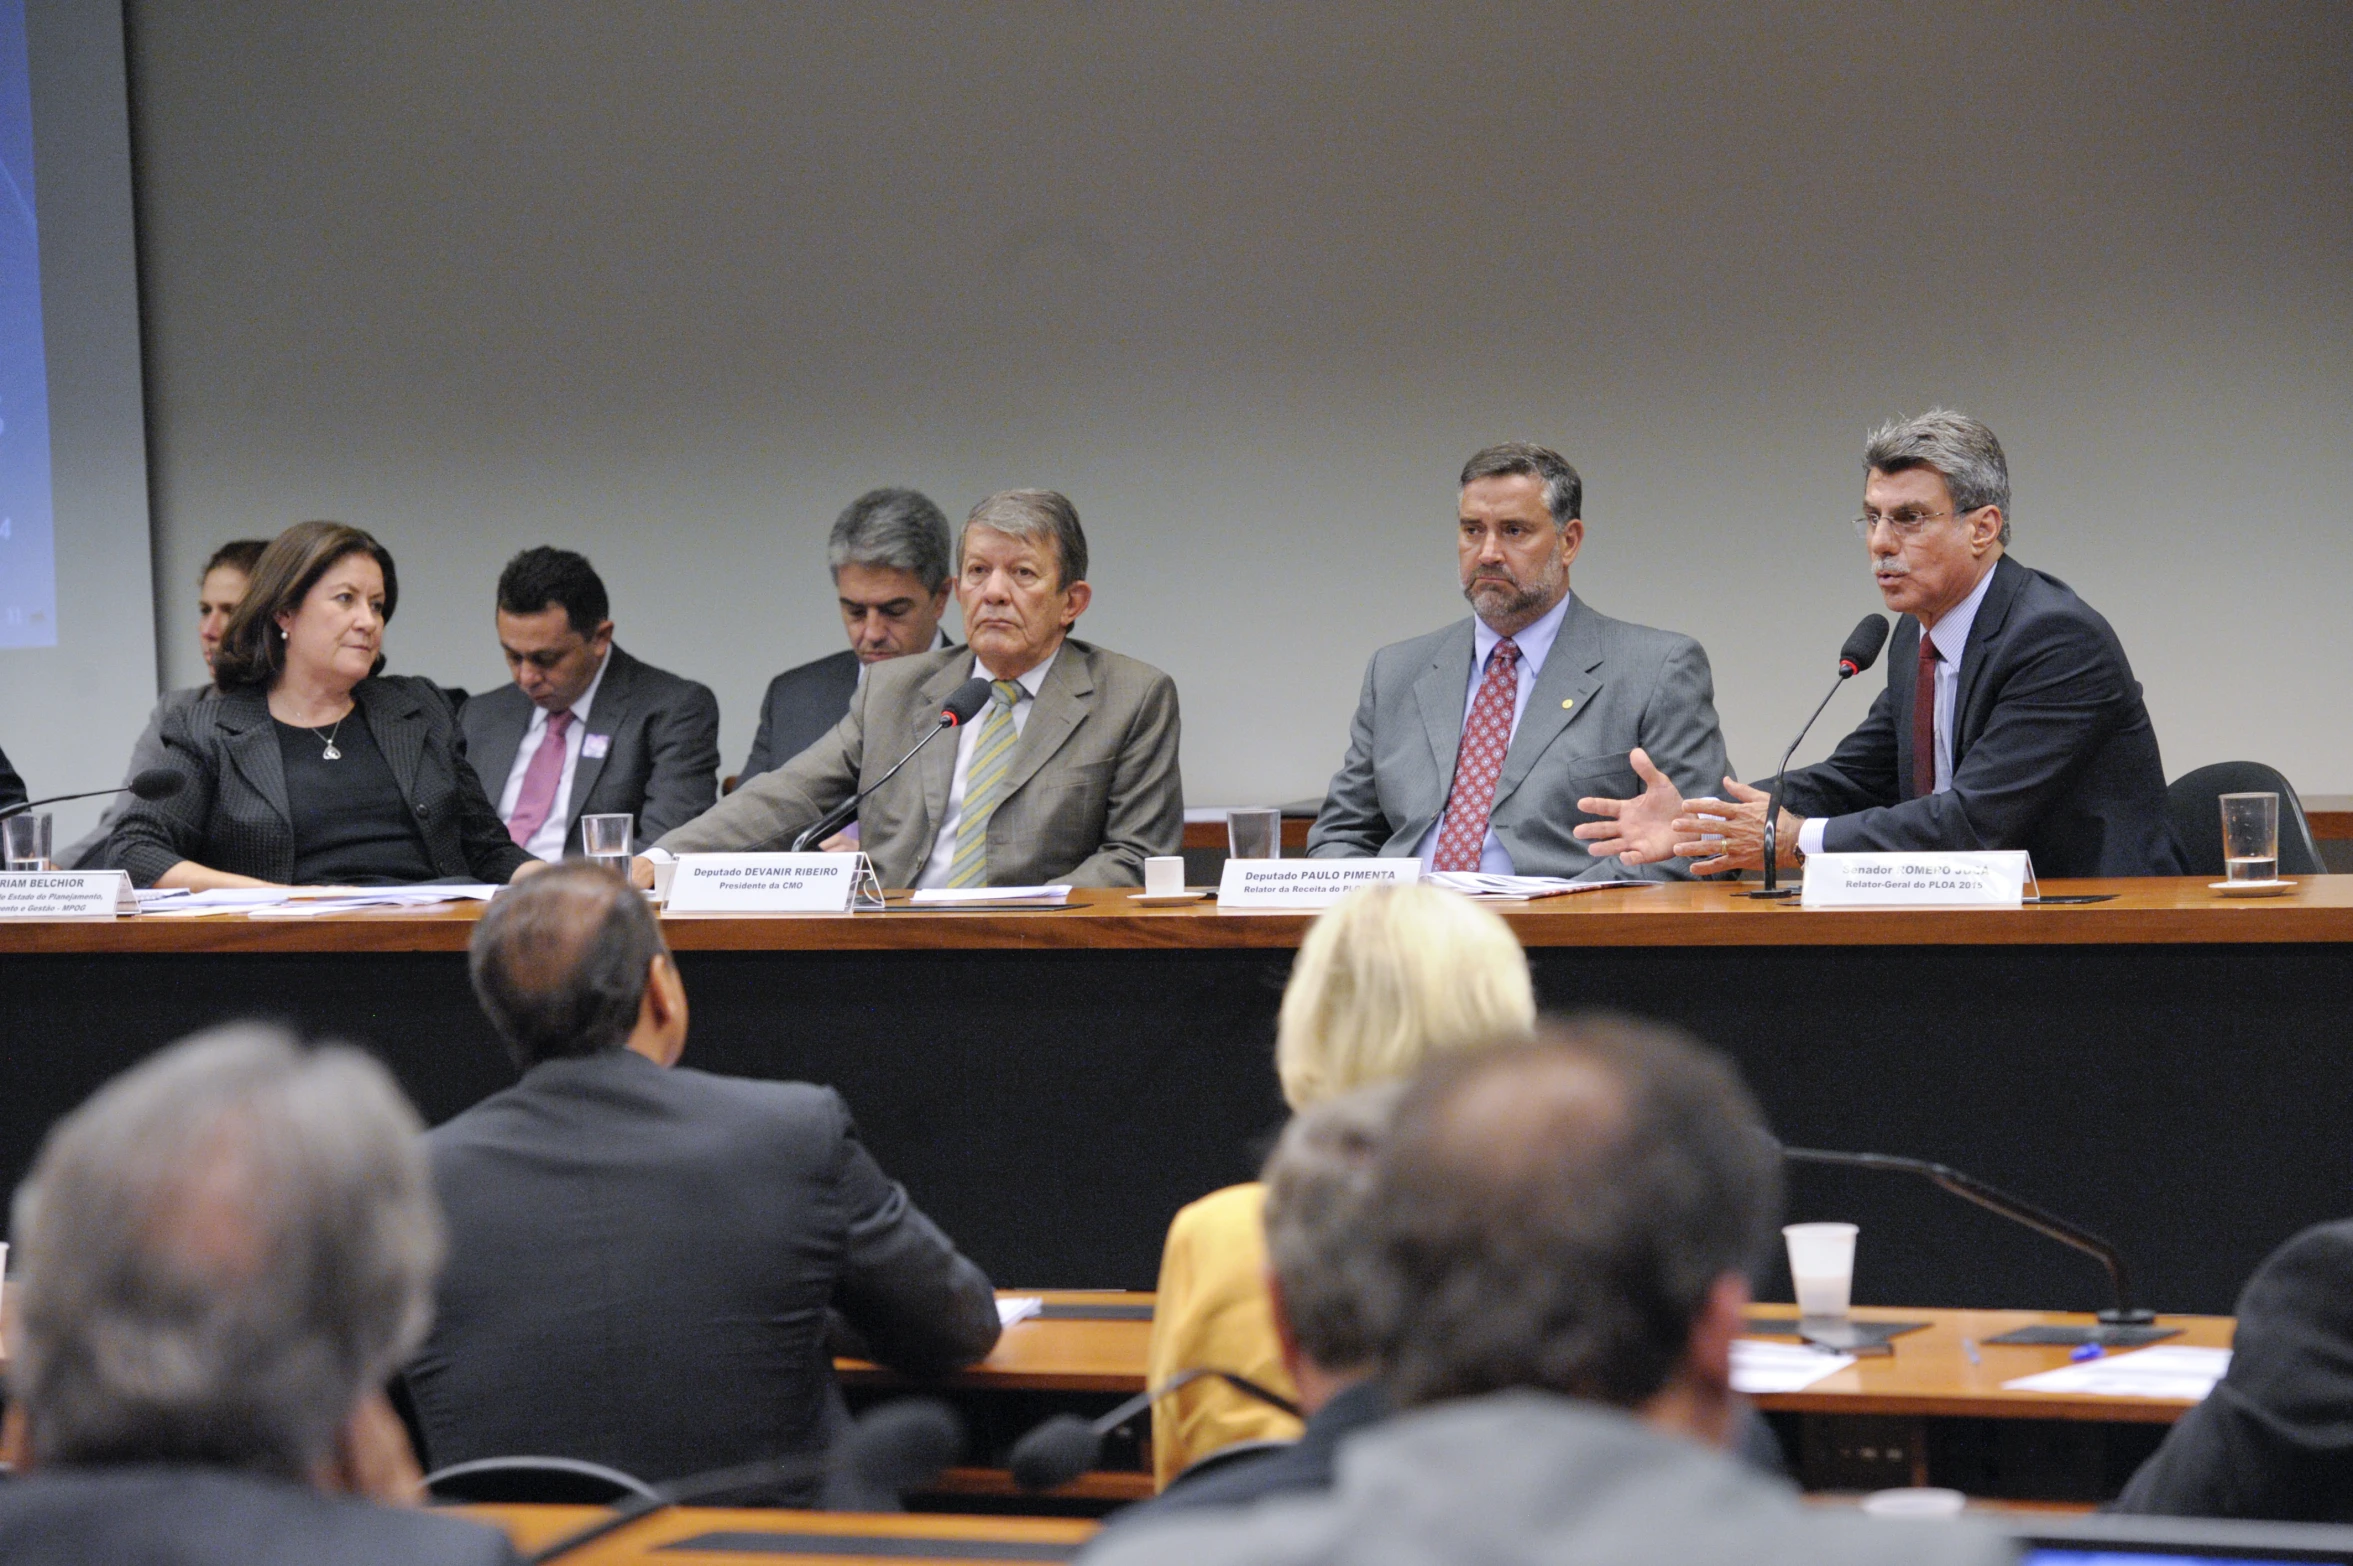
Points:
(984, 787)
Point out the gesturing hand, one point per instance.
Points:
(1637, 831)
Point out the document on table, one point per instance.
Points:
(1017, 1307)
(2171, 1370)
(1009, 896)
(1759, 1367)
(1475, 883)
(303, 902)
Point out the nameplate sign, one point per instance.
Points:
(766, 883)
(66, 894)
(1994, 879)
(1307, 883)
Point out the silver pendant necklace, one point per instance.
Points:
(331, 753)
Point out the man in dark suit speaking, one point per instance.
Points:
(584, 729)
(2010, 719)
(642, 1258)
(891, 558)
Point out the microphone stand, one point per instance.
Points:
(833, 820)
(1773, 889)
(2121, 1323)
(60, 799)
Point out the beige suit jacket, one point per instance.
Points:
(1093, 791)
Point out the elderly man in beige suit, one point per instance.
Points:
(1068, 775)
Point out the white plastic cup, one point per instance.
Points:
(1254, 834)
(605, 839)
(1164, 875)
(665, 870)
(1822, 1265)
(1915, 1501)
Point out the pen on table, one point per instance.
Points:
(1969, 1347)
(2084, 1351)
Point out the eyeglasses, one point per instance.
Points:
(1907, 524)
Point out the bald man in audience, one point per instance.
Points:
(643, 1257)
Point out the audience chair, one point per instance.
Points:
(549, 1481)
(2197, 819)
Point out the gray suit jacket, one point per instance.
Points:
(663, 767)
(1531, 1477)
(1606, 687)
(801, 708)
(1093, 790)
(89, 852)
(234, 813)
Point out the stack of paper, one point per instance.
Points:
(1017, 1307)
(304, 902)
(2172, 1370)
(1009, 896)
(1758, 1367)
(1476, 883)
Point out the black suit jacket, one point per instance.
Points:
(233, 814)
(188, 1516)
(663, 762)
(12, 787)
(801, 707)
(2052, 747)
(642, 1262)
(2274, 1439)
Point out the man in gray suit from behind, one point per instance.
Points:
(1472, 745)
(636, 740)
(1075, 756)
(1559, 1236)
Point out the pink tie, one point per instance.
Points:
(1486, 739)
(538, 795)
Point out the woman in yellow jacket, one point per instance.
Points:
(1385, 978)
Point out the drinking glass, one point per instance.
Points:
(1254, 834)
(1822, 1265)
(27, 841)
(2250, 837)
(605, 839)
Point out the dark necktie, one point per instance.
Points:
(1924, 720)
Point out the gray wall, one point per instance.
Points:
(670, 282)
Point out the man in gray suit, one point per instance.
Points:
(221, 1258)
(1068, 775)
(1560, 1238)
(1472, 745)
(890, 555)
(585, 729)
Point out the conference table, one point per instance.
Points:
(2162, 1067)
(702, 1536)
(1932, 1410)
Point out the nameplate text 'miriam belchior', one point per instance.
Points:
(66, 894)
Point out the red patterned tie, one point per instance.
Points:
(1924, 720)
(1486, 738)
(537, 797)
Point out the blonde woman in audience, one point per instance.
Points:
(1385, 978)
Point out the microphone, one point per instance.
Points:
(957, 710)
(1860, 652)
(890, 1449)
(1066, 1446)
(154, 783)
(2122, 1323)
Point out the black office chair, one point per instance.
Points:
(1226, 1457)
(549, 1481)
(2197, 819)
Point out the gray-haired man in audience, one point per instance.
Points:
(1561, 1235)
(892, 559)
(223, 1256)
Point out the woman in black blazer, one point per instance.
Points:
(304, 765)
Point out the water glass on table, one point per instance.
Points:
(605, 839)
(1822, 1265)
(2250, 837)
(1254, 834)
(26, 842)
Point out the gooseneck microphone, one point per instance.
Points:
(888, 1451)
(2134, 1319)
(1062, 1448)
(964, 701)
(1860, 652)
(154, 783)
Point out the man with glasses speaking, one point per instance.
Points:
(2011, 718)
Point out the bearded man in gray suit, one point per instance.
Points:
(1472, 745)
(1068, 775)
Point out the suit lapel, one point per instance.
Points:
(253, 749)
(1441, 693)
(509, 720)
(609, 714)
(1564, 689)
(1992, 612)
(399, 726)
(1060, 706)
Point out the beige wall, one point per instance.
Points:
(670, 282)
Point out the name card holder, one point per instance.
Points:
(66, 894)
(1307, 883)
(1991, 879)
(773, 883)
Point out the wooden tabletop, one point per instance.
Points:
(1928, 1374)
(2155, 911)
(696, 1535)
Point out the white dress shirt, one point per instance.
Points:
(1951, 636)
(1535, 644)
(548, 841)
(943, 847)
